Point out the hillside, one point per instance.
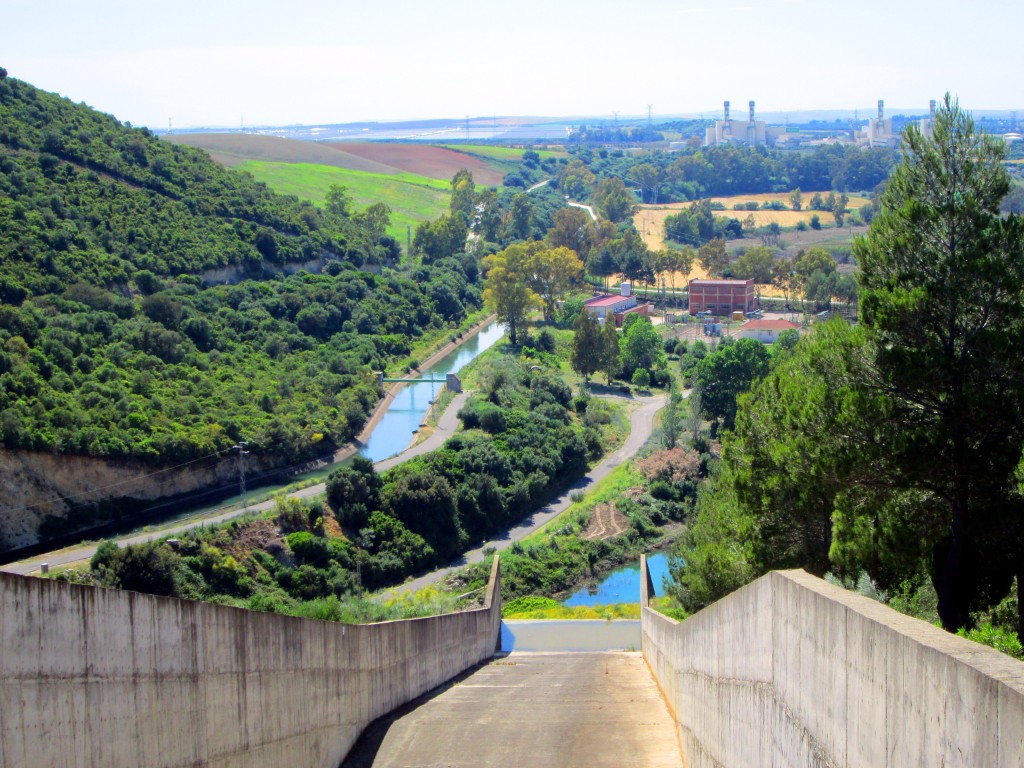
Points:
(233, 148)
(412, 199)
(112, 343)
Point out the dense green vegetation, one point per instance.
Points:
(702, 172)
(890, 453)
(111, 344)
(523, 439)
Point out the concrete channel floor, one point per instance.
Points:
(531, 709)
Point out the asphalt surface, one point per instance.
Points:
(641, 428)
(447, 426)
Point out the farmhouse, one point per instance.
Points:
(767, 331)
(616, 306)
(722, 297)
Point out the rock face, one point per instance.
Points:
(42, 490)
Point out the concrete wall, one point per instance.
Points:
(791, 671)
(104, 678)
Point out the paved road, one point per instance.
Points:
(531, 709)
(589, 209)
(446, 427)
(641, 426)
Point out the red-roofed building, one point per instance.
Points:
(767, 331)
(722, 297)
(616, 306)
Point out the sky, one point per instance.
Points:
(225, 63)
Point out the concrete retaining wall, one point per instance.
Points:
(791, 671)
(102, 678)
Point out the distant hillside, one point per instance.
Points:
(234, 148)
(113, 346)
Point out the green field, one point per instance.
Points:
(494, 152)
(413, 199)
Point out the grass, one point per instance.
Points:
(578, 612)
(412, 199)
(493, 152)
(605, 491)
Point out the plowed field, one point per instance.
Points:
(423, 160)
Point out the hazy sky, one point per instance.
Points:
(217, 62)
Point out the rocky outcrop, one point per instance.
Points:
(46, 492)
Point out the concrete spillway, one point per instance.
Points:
(535, 709)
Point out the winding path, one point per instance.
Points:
(641, 422)
(641, 427)
(446, 427)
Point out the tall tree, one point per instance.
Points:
(488, 221)
(506, 292)
(585, 353)
(463, 194)
(641, 347)
(613, 200)
(610, 364)
(572, 228)
(728, 372)
(550, 272)
(713, 257)
(757, 263)
(519, 221)
(942, 294)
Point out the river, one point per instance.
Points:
(404, 416)
(623, 584)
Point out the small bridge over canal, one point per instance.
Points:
(450, 380)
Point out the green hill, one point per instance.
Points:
(413, 199)
(112, 343)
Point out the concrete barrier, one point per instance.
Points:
(102, 678)
(792, 671)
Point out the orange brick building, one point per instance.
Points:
(722, 297)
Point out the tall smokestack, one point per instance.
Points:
(931, 109)
(751, 111)
(881, 109)
(727, 111)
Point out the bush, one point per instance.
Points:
(641, 378)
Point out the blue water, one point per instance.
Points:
(404, 416)
(623, 584)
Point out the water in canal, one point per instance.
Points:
(623, 584)
(404, 416)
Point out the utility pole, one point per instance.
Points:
(242, 453)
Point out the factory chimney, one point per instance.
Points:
(881, 110)
(751, 111)
(727, 111)
(931, 109)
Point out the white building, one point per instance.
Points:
(728, 131)
(767, 331)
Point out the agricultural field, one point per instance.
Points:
(435, 162)
(413, 199)
(650, 219)
(496, 152)
(233, 149)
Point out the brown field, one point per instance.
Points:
(422, 159)
(385, 158)
(236, 148)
